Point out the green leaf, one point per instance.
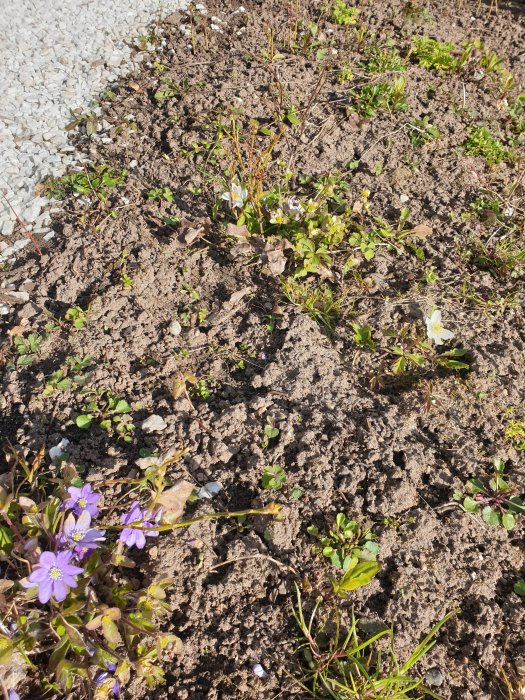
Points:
(6, 540)
(491, 517)
(470, 505)
(122, 407)
(508, 521)
(64, 384)
(516, 505)
(519, 587)
(475, 486)
(84, 421)
(358, 574)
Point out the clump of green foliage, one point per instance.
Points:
(316, 300)
(370, 99)
(383, 60)
(345, 540)
(480, 142)
(434, 54)
(97, 181)
(109, 411)
(26, 349)
(349, 666)
(496, 499)
(515, 428)
(70, 376)
(351, 549)
(421, 131)
(344, 14)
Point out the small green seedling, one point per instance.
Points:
(345, 541)
(385, 60)
(273, 478)
(69, 377)
(343, 14)
(421, 131)
(363, 337)
(270, 433)
(109, 411)
(481, 142)
(438, 55)
(357, 574)
(497, 501)
(77, 317)
(201, 389)
(515, 430)
(94, 181)
(519, 587)
(27, 348)
(164, 193)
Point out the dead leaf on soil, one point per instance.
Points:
(276, 261)
(326, 274)
(173, 501)
(420, 231)
(18, 330)
(134, 86)
(190, 231)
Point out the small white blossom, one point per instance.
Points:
(435, 329)
(236, 197)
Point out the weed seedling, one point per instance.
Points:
(481, 142)
(270, 433)
(349, 666)
(421, 131)
(27, 348)
(95, 181)
(344, 541)
(497, 499)
(343, 14)
(109, 411)
(77, 317)
(363, 337)
(430, 53)
(163, 193)
(273, 478)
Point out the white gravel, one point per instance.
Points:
(56, 56)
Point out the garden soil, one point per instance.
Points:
(389, 454)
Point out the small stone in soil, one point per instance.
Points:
(434, 677)
(154, 424)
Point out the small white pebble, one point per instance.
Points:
(58, 450)
(259, 671)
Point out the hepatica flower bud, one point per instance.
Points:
(81, 499)
(54, 576)
(137, 516)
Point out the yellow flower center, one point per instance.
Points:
(55, 574)
(82, 502)
(437, 327)
(77, 535)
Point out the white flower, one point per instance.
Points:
(436, 330)
(236, 197)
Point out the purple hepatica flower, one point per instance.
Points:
(137, 516)
(82, 499)
(79, 535)
(12, 694)
(54, 576)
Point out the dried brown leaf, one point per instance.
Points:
(173, 500)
